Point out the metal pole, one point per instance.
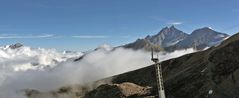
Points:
(159, 76)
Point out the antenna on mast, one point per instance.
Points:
(194, 45)
(159, 76)
(155, 60)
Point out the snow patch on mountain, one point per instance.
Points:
(220, 36)
(173, 43)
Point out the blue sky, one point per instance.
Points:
(84, 24)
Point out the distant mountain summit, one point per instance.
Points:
(200, 39)
(168, 36)
(171, 39)
(15, 46)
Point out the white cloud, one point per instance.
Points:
(175, 23)
(14, 36)
(95, 65)
(90, 36)
(167, 21)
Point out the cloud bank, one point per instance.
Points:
(98, 64)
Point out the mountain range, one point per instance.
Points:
(171, 39)
(213, 73)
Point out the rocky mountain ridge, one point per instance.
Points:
(171, 39)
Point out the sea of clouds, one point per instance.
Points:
(47, 69)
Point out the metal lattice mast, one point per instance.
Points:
(194, 45)
(159, 77)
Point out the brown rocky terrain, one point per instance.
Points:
(123, 90)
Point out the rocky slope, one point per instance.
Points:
(143, 44)
(213, 73)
